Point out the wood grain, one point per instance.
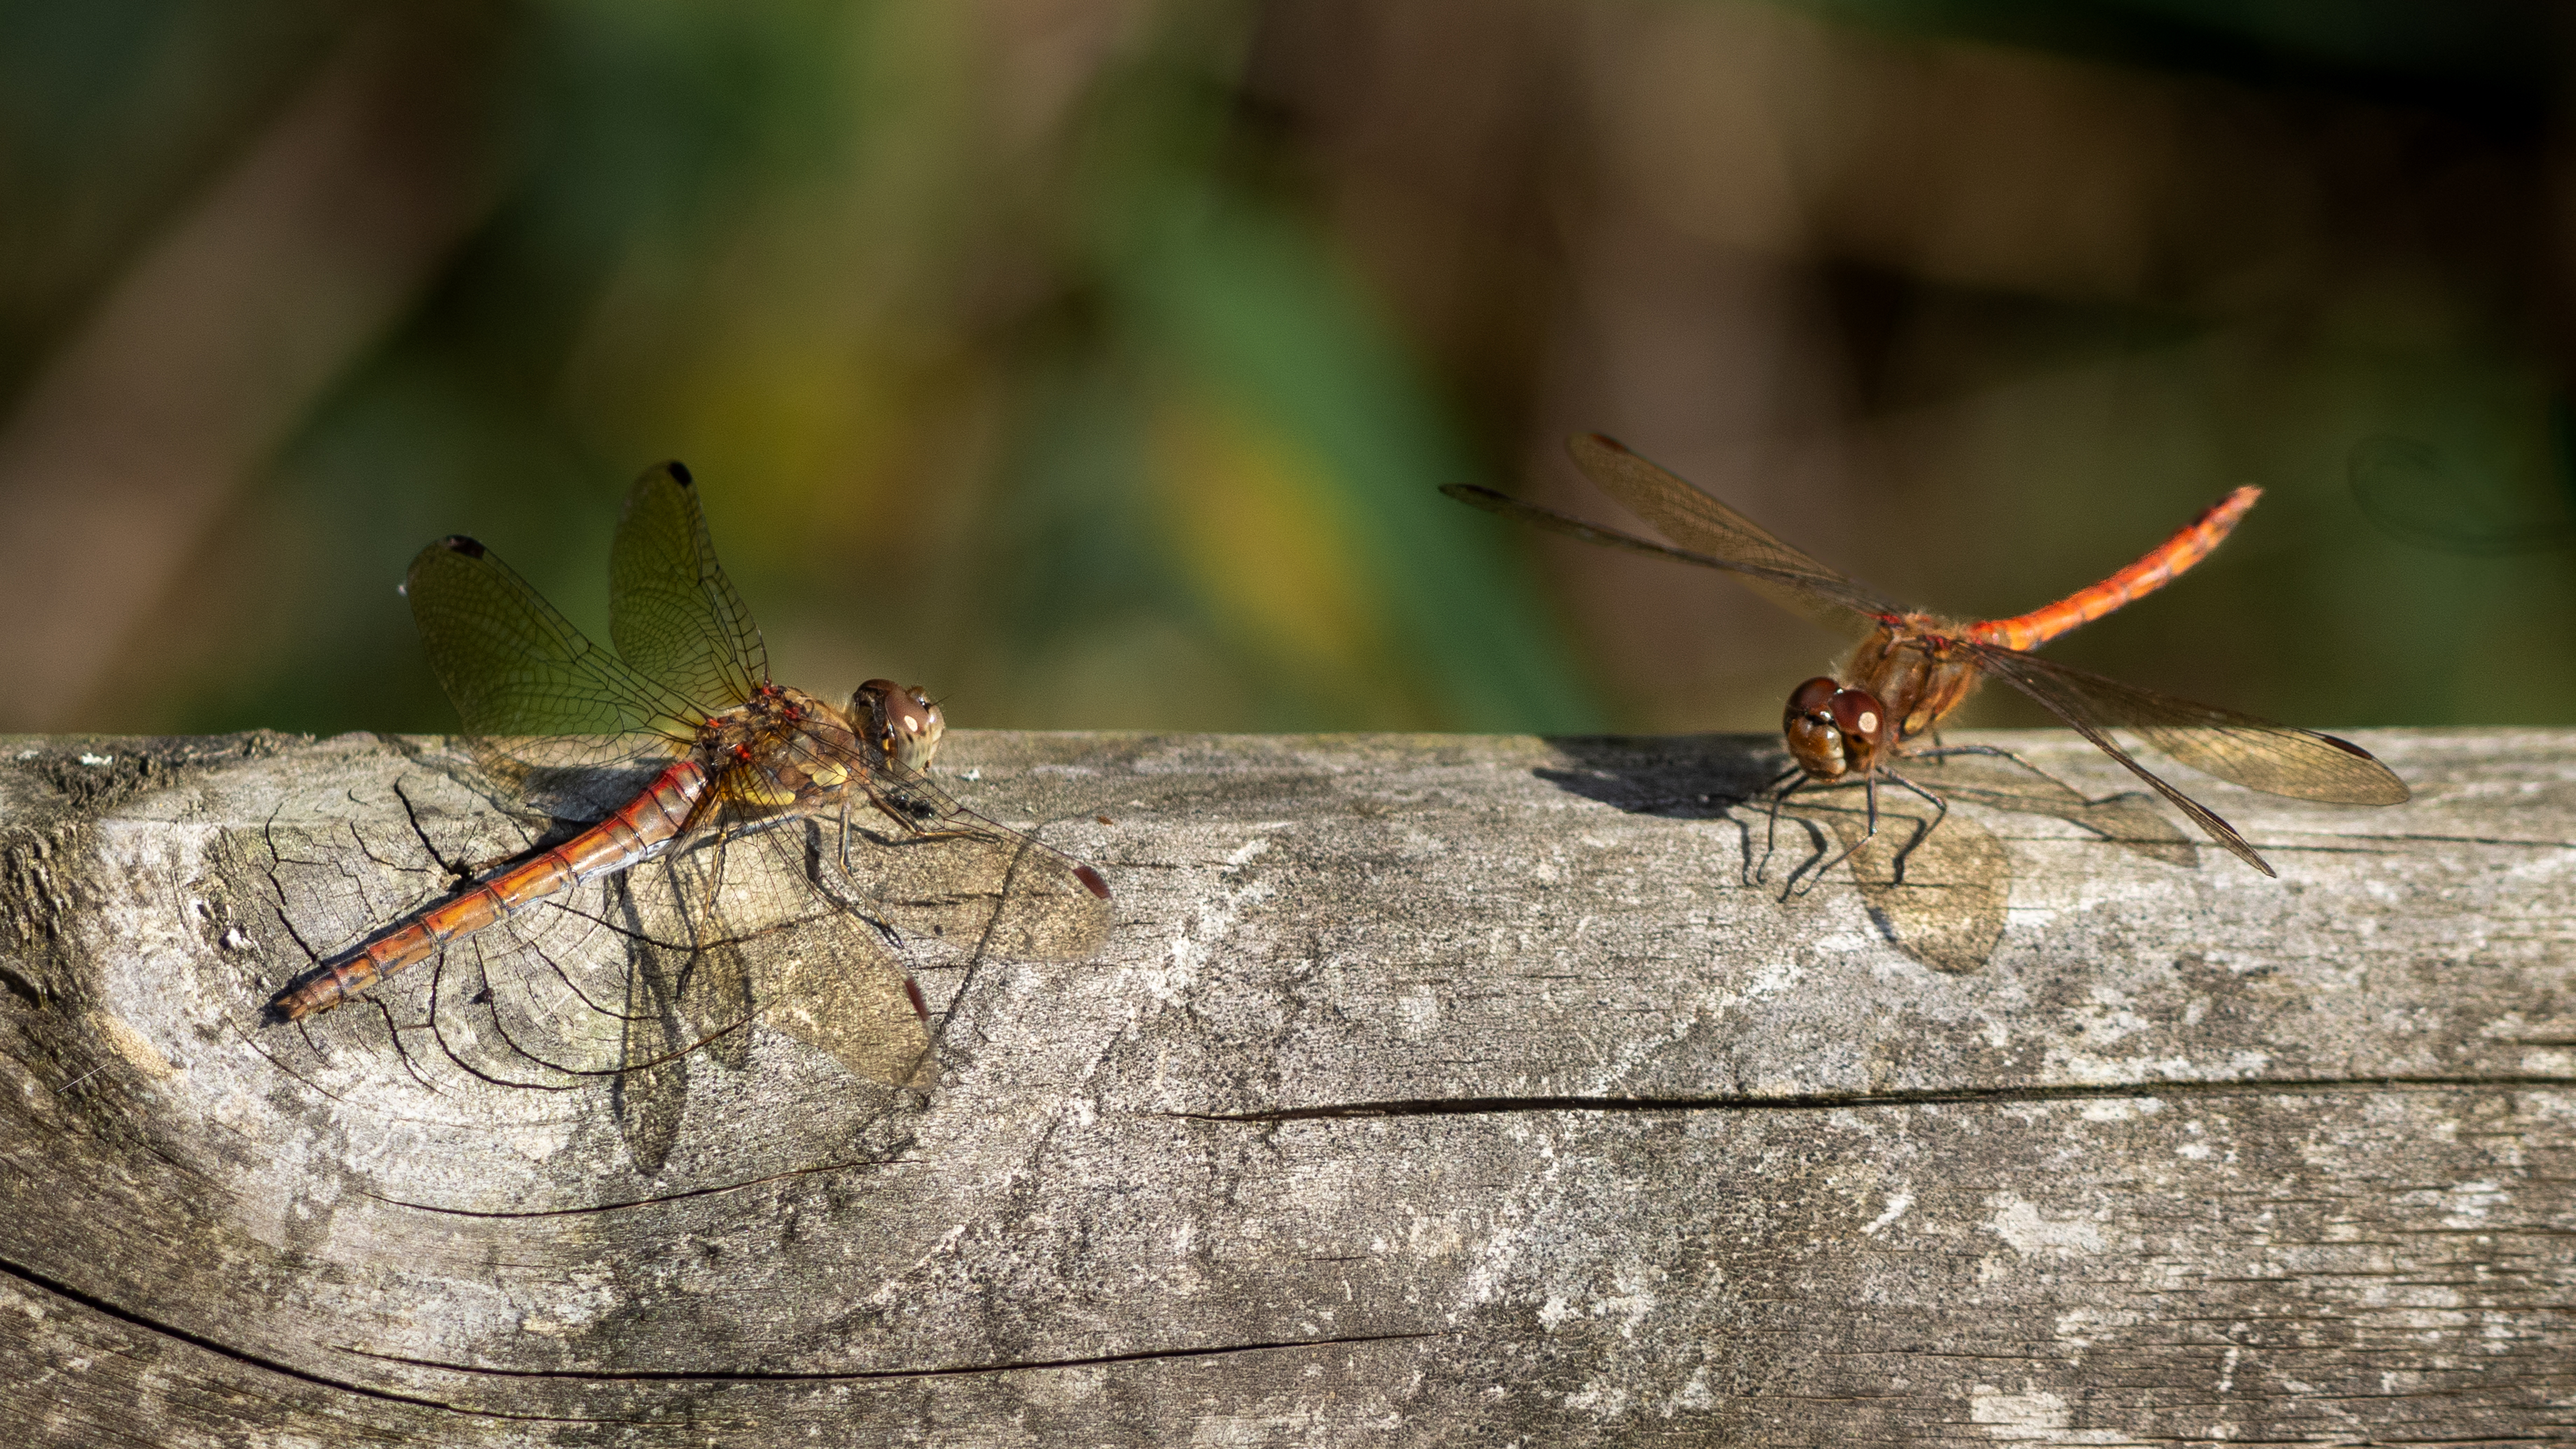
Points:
(1415, 1088)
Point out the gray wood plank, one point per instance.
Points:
(1412, 1087)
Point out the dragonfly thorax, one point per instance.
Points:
(780, 749)
(1916, 667)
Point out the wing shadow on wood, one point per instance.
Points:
(2131, 819)
(1948, 910)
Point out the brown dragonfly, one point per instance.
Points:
(691, 752)
(1912, 669)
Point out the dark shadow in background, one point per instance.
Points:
(2416, 493)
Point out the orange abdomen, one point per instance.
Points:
(640, 828)
(2162, 564)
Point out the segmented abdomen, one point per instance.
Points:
(641, 827)
(2162, 564)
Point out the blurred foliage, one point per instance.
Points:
(1044, 353)
(1096, 433)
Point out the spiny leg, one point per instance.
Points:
(1869, 786)
(1794, 779)
(1998, 752)
(1923, 831)
(846, 899)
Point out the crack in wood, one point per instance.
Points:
(1824, 1101)
(60, 1289)
(656, 1200)
(682, 1376)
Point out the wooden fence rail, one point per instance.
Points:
(1413, 1089)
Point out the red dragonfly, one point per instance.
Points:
(1913, 668)
(687, 696)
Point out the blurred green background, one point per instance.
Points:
(1094, 362)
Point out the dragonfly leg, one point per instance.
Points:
(1869, 786)
(1943, 752)
(844, 847)
(847, 900)
(1922, 832)
(1794, 780)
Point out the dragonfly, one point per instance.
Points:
(1912, 669)
(686, 705)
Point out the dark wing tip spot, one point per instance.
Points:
(2392, 790)
(459, 543)
(1478, 497)
(1091, 881)
(680, 471)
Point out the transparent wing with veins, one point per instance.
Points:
(2241, 749)
(534, 693)
(673, 614)
(1727, 539)
(1714, 535)
(923, 809)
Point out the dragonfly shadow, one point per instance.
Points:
(2131, 819)
(735, 906)
(1947, 910)
(1687, 777)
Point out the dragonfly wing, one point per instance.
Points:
(982, 889)
(818, 968)
(1693, 519)
(1786, 590)
(683, 1002)
(519, 672)
(902, 790)
(2242, 749)
(672, 612)
(741, 929)
(2201, 815)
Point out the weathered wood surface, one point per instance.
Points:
(1425, 1087)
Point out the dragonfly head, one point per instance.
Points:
(1835, 731)
(899, 720)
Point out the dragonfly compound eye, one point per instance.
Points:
(1859, 715)
(1808, 698)
(1815, 740)
(901, 722)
